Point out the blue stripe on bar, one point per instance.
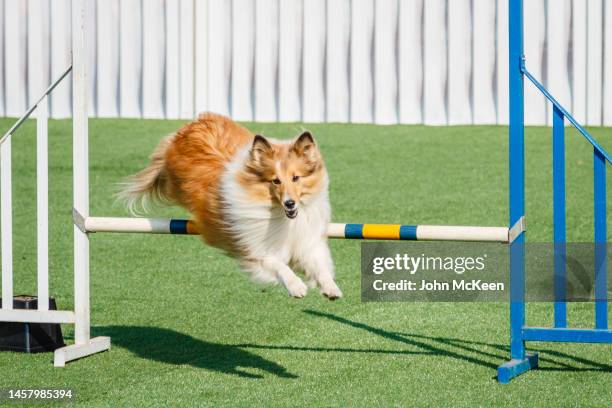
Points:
(178, 227)
(408, 232)
(353, 231)
(567, 335)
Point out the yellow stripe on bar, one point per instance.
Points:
(381, 231)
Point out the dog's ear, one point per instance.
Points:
(306, 147)
(260, 150)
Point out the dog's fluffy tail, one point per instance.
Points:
(148, 187)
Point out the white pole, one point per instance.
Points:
(461, 233)
(42, 203)
(6, 224)
(137, 225)
(80, 171)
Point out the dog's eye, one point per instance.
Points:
(276, 181)
(295, 178)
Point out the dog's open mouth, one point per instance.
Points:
(291, 213)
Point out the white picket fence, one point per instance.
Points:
(436, 62)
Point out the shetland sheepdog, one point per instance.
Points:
(261, 200)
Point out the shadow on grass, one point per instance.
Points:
(432, 345)
(171, 347)
(489, 355)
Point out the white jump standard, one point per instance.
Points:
(83, 345)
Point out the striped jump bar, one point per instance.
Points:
(342, 231)
(418, 232)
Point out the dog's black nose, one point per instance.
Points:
(289, 204)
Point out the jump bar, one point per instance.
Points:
(343, 231)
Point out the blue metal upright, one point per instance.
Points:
(599, 207)
(559, 227)
(521, 361)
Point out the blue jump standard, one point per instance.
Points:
(521, 361)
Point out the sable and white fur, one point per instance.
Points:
(261, 200)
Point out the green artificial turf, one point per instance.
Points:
(188, 329)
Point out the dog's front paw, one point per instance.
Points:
(297, 288)
(331, 291)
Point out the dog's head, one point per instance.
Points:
(284, 174)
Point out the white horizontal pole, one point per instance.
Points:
(136, 225)
(335, 230)
(37, 316)
(461, 233)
